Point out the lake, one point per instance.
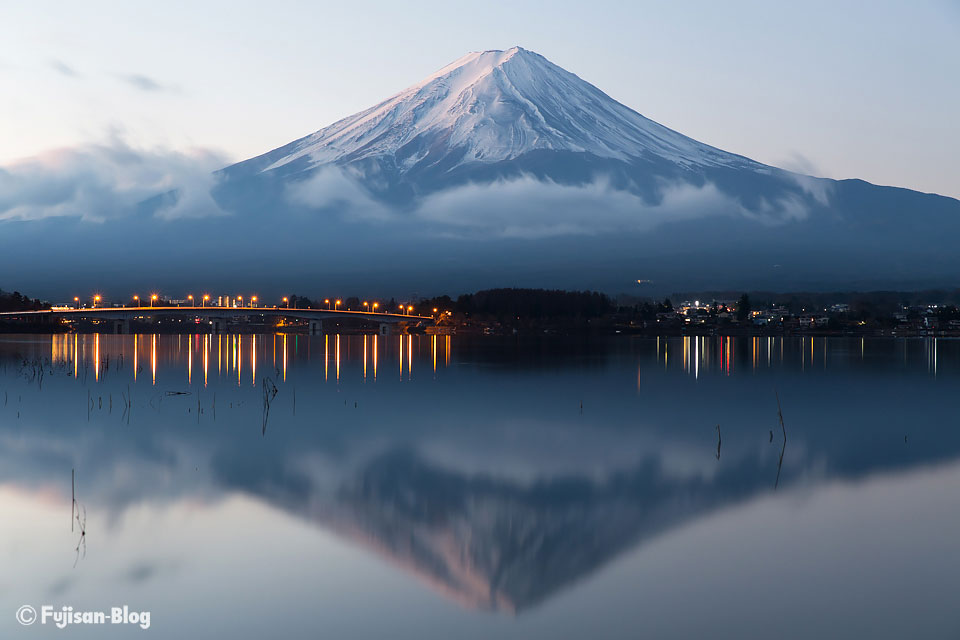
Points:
(481, 487)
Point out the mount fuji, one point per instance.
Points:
(497, 116)
(530, 175)
(503, 169)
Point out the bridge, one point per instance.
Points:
(216, 316)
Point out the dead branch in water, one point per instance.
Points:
(784, 447)
(75, 510)
(269, 393)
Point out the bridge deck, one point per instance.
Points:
(126, 313)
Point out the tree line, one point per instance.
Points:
(16, 301)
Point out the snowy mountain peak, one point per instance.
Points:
(507, 157)
(486, 108)
(489, 59)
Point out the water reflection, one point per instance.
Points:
(502, 473)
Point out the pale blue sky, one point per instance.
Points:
(839, 89)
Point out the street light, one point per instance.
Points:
(253, 301)
(96, 299)
(326, 301)
(136, 300)
(190, 298)
(286, 301)
(240, 300)
(153, 298)
(205, 298)
(366, 304)
(375, 305)
(409, 310)
(434, 309)
(336, 304)
(76, 302)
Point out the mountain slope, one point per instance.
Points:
(495, 106)
(493, 115)
(502, 169)
(534, 177)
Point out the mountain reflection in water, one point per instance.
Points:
(502, 472)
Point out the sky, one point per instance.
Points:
(833, 89)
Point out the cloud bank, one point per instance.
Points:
(531, 208)
(99, 182)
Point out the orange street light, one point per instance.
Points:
(375, 305)
(136, 300)
(409, 309)
(240, 301)
(205, 298)
(190, 298)
(286, 301)
(253, 301)
(336, 304)
(434, 309)
(96, 299)
(153, 298)
(326, 301)
(366, 304)
(76, 301)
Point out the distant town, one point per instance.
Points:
(516, 311)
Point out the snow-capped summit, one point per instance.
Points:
(497, 105)
(502, 169)
(488, 108)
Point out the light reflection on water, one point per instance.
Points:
(716, 354)
(573, 484)
(237, 357)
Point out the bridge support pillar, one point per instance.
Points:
(121, 327)
(384, 329)
(316, 327)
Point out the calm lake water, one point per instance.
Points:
(454, 487)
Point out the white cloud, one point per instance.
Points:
(332, 190)
(97, 182)
(820, 189)
(530, 208)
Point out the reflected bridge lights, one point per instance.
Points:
(164, 356)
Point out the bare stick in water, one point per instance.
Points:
(269, 393)
(784, 447)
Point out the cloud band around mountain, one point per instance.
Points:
(103, 181)
(530, 208)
